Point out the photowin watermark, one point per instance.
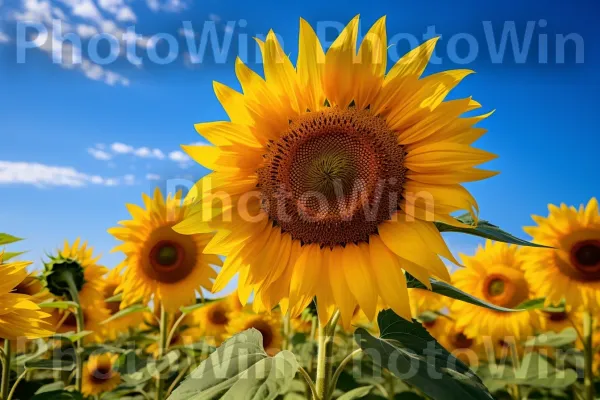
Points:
(209, 42)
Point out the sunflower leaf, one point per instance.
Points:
(532, 304)
(61, 305)
(126, 311)
(56, 364)
(485, 230)
(114, 299)
(71, 336)
(409, 352)
(58, 395)
(10, 255)
(534, 370)
(357, 393)
(448, 290)
(553, 339)
(5, 238)
(240, 368)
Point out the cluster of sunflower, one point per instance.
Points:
(331, 185)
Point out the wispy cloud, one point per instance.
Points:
(4, 37)
(152, 177)
(42, 175)
(99, 154)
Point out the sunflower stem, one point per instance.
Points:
(588, 380)
(162, 347)
(287, 328)
(74, 293)
(324, 358)
(14, 387)
(6, 369)
(340, 369)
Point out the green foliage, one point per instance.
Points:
(408, 351)
(5, 239)
(485, 230)
(239, 369)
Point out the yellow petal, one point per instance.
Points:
(310, 67)
(339, 72)
(359, 277)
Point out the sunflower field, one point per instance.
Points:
(331, 186)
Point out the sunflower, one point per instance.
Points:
(213, 319)
(570, 271)
(33, 286)
(99, 375)
(162, 264)
(494, 273)
(93, 315)
(120, 325)
(557, 320)
(20, 316)
(79, 261)
(326, 176)
(269, 326)
(422, 300)
(462, 346)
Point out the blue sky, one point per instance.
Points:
(80, 141)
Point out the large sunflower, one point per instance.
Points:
(161, 263)
(422, 300)
(570, 271)
(99, 375)
(495, 274)
(213, 319)
(20, 316)
(329, 175)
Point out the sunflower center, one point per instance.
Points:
(505, 287)
(218, 316)
(333, 176)
(102, 373)
(265, 330)
(585, 257)
(557, 316)
(461, 341)
(171, 257)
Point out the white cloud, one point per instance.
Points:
(126, 14)
(86, 31)
(178, 156)
(4, 37)
(166, 5)
(41, 175)
(129, 179)
(214, 17)
(158, 154)
(121, 148)
(87, 9)
(152, 177)
(99, 154)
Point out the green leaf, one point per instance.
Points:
(51, 387)
(200, 304)
(114, 299)
(41, 348)
(129, 310)
(62, 305)
(58, 395)
(448, 290)
(357, 393)
(239, 369)
(150, 369)
(485, 230)
(535, 370)
(5, 238)
(71, 336)
(56, 365)
(10, 255)
(409, 352)
(532, 304)
(553, 339)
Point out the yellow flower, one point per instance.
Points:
(93, 315)
(559, 320)
(570, 271)
(213, 319)
(269, 325)
(162, 264)
(79, 261)
(494, 273)
(462, 346)
(99, 375)
(20, 316)
(422, 300)
(325, 178)
(120, 325)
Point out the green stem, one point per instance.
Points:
(14, 388)
(6, 370)
(287, 328)
(391, 386)
(162, 347)
(340, 369)
(68, 278)
(324, 358)
(174, 328)
(308, 381)
(588, 345)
